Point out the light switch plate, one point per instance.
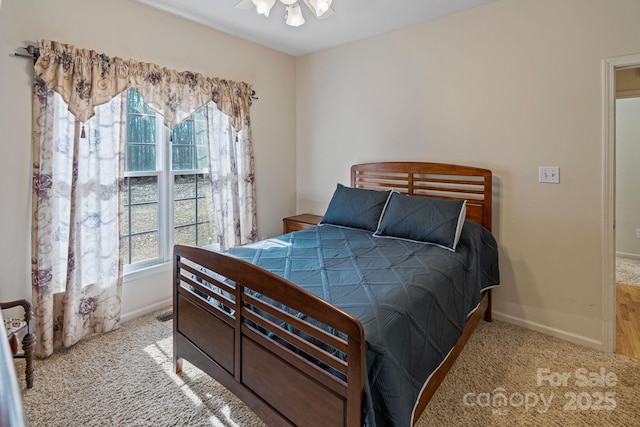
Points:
(549, 174)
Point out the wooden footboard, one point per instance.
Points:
(250, 347)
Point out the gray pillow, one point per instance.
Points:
(423, 219)
(355, 207)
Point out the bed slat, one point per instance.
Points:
(320, 334)
(296, 341)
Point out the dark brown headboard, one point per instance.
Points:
(444, 181)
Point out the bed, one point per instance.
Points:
(330, 349)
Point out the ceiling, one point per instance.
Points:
(352, 20)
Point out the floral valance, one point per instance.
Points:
(86, 79)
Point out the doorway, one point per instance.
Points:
(627, 230)
(610, 309)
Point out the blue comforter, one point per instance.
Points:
(413, 299)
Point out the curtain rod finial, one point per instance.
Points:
(32, 52)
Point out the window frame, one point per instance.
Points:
(165, 176)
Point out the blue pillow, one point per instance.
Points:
(423, 219)
(355, 208)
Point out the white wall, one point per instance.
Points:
(128, 29)
(510, 86)
(627, 176)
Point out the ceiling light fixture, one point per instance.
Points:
(294, 16)
(293, 12)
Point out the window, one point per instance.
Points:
(167, 192)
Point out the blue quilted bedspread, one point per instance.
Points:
(413, 299)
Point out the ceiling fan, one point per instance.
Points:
(293, 16)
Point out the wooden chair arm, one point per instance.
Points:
(26, 305)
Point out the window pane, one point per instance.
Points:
(183, 133)
(191, 133)
(193, 210)
(182, 157)
(140, 218)
(141, 157)
(182, 146)
(184, 187)
(141, 129)
(185, 212)
(144, 217)
(144, 189)
(202, 160)
(205, 206)
(205, 211)
(207, 234)
(185, 235)
(204, 186)
(144, 246)
(141, 135)
(200, 126)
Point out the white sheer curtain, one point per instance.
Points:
(76, 254)
(232, 179)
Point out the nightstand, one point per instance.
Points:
(300, 222)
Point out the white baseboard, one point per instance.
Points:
(626, 255)
(547, 330)
(148, 309)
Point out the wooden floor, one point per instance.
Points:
(628, 320)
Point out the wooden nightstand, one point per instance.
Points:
(300, 222)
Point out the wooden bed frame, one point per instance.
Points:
(226, 338)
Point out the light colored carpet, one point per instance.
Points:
(628, 271)
(125, 378)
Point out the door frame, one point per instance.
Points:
(609, 68)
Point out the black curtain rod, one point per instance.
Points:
(34, 53)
